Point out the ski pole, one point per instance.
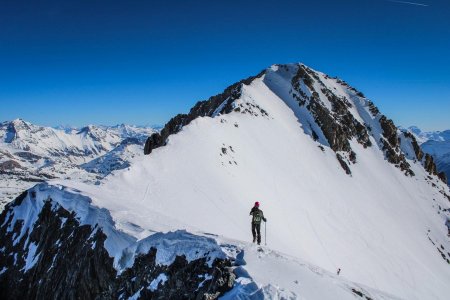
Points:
(265, 233)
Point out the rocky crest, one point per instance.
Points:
(391, 146)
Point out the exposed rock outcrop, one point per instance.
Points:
(343, 164)
(339, 125)
(391, 146)
(429, 165)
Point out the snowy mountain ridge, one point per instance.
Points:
(30, 153)
(243, 265)
(340, 184)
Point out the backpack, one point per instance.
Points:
(257, 216)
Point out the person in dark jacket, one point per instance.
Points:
(257, 217)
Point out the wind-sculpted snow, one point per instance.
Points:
(173, 244)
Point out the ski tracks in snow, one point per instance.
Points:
(146, 192)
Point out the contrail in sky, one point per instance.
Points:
(410, 3)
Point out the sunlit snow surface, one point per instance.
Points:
(374, 225)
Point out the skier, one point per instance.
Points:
(338, 271)
(257, 216)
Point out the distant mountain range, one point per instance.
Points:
(437, 144)
(30, 153)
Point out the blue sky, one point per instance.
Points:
(142, 62)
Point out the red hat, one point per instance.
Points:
(256, 203)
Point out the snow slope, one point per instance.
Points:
(381, 219)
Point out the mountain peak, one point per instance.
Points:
(20, 124)
(329, 110)
(87, 129)
(14, 128)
